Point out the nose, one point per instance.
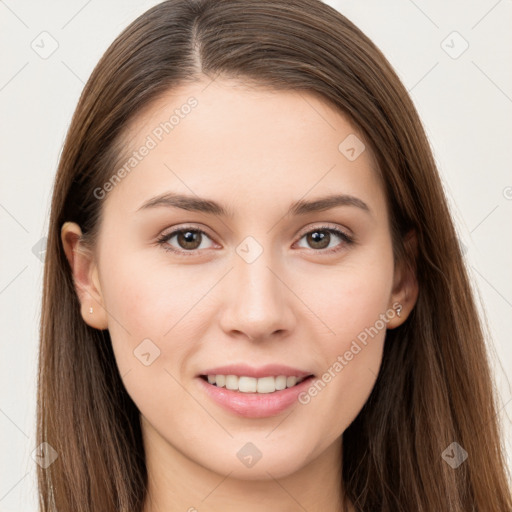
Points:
(257, 304)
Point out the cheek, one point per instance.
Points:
(350, 300)
(355, 309)
(148, 301)
(150, 314)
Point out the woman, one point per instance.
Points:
(253, 293)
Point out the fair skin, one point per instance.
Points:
(255, 152)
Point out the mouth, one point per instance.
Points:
(265, 393)
(261, 385)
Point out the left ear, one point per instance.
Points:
(405, 283)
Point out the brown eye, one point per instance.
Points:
(320, 239)
(188, 241)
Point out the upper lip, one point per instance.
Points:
(261, 371)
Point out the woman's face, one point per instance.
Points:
(250, 281)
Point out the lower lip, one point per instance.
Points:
(255, 405)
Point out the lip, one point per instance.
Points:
(254, 405)
(268, 370)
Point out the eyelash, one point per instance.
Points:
(164, 239)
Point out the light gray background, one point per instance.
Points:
(465, 104)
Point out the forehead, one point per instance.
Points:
(227, 138)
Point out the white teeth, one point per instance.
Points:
(280, 382)
(291, 381)
(231, 382)
(247, 384)
(252, 385)
(266, 385)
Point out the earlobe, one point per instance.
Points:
(85, 276)
(405, 286)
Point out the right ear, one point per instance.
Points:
(85, 276)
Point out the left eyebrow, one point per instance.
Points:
(300, 207)
(320, 204)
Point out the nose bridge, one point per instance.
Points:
(258, 304)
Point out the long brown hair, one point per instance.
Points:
(434, 387)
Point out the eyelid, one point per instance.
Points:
(326, 226)
(192, 227)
